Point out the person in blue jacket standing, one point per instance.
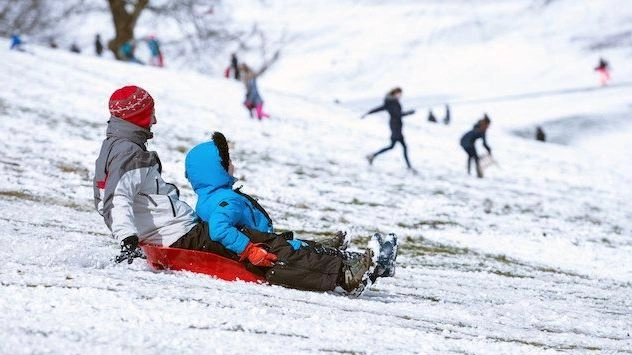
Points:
(242, 226)
(394, 109)
(467, 142)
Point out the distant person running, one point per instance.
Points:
(468, 140)
(394, 109)
(603, 68)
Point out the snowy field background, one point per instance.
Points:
(533, 259)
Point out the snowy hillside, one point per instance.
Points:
(533, 259)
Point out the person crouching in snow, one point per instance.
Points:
(253, 98)
(242, 226)
(467, 142)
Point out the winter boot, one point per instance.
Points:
(260, 113)
(355, 273)
(339, 241)
(386, 255)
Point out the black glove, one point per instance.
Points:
(130, 250)
(409, 112)
(289, 235)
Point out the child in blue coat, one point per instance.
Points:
(241, 225)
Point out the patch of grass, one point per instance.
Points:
(182, 149)
(21, 195)
(509, 274)
(355, 201)
(16, 194)
(74, 169)
(421, 246)
(432, 223)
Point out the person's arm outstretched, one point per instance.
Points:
(377, 109)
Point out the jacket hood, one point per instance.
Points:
(120, 128)
(204, 170)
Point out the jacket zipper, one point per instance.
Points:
(149, 198)
(173, 209)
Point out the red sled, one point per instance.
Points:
(160, 258)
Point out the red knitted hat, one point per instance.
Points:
(132, 104)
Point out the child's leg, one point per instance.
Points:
(260, 113)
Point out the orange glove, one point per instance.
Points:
(257, 255)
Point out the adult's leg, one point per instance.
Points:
(383, 149)
(401, 140)
(471, 155)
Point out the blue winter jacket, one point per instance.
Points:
(224, 209)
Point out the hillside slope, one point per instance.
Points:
(532, 259)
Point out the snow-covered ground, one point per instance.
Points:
(533, 259)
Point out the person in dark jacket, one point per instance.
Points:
(539, 134)
(394, 109)
(234, 65)
(240, 224)
(74, 48)
(467, 142)
(446, 119)
(431, 117)
(98, 45)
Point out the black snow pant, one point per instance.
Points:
(472, 155)
(312, 268)
(198, 238)
(393, 141)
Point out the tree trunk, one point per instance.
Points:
(124, 22)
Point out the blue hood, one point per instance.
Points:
(204, 169)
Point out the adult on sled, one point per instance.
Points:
(239, 223)
(468, 143)
(394, 109)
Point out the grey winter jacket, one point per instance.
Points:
(129, 192)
